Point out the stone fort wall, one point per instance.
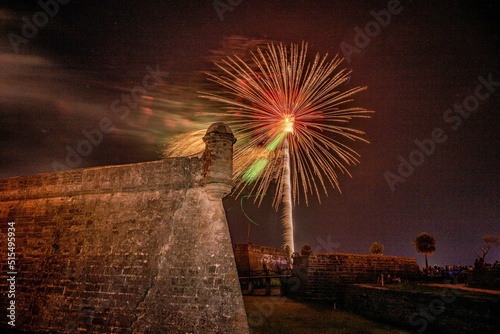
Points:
(140, 248)
(324, 276)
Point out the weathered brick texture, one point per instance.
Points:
(257, 258)
(137, 248)
(324, 276)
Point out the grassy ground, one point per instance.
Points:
(276, 314)
(407, 287)
(436, 289)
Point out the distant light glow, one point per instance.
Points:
(289, 124)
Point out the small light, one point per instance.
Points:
(288, 124)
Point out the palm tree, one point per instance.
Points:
(376, 248)
(425, 244)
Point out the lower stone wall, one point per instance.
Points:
(323, 276)
(445, 311)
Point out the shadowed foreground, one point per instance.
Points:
(276, 314)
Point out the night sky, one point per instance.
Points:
(432, 71)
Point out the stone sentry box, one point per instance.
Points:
(139, 248)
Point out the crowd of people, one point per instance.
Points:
(454, 270)
(457, 274)
(480, 264)
(448, 270)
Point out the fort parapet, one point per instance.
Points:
(138, 248)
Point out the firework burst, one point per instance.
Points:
(289, 118)
(280, 100)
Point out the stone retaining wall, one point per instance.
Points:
(323, 276)
(447, 310)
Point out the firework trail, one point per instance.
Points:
(287, 201)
